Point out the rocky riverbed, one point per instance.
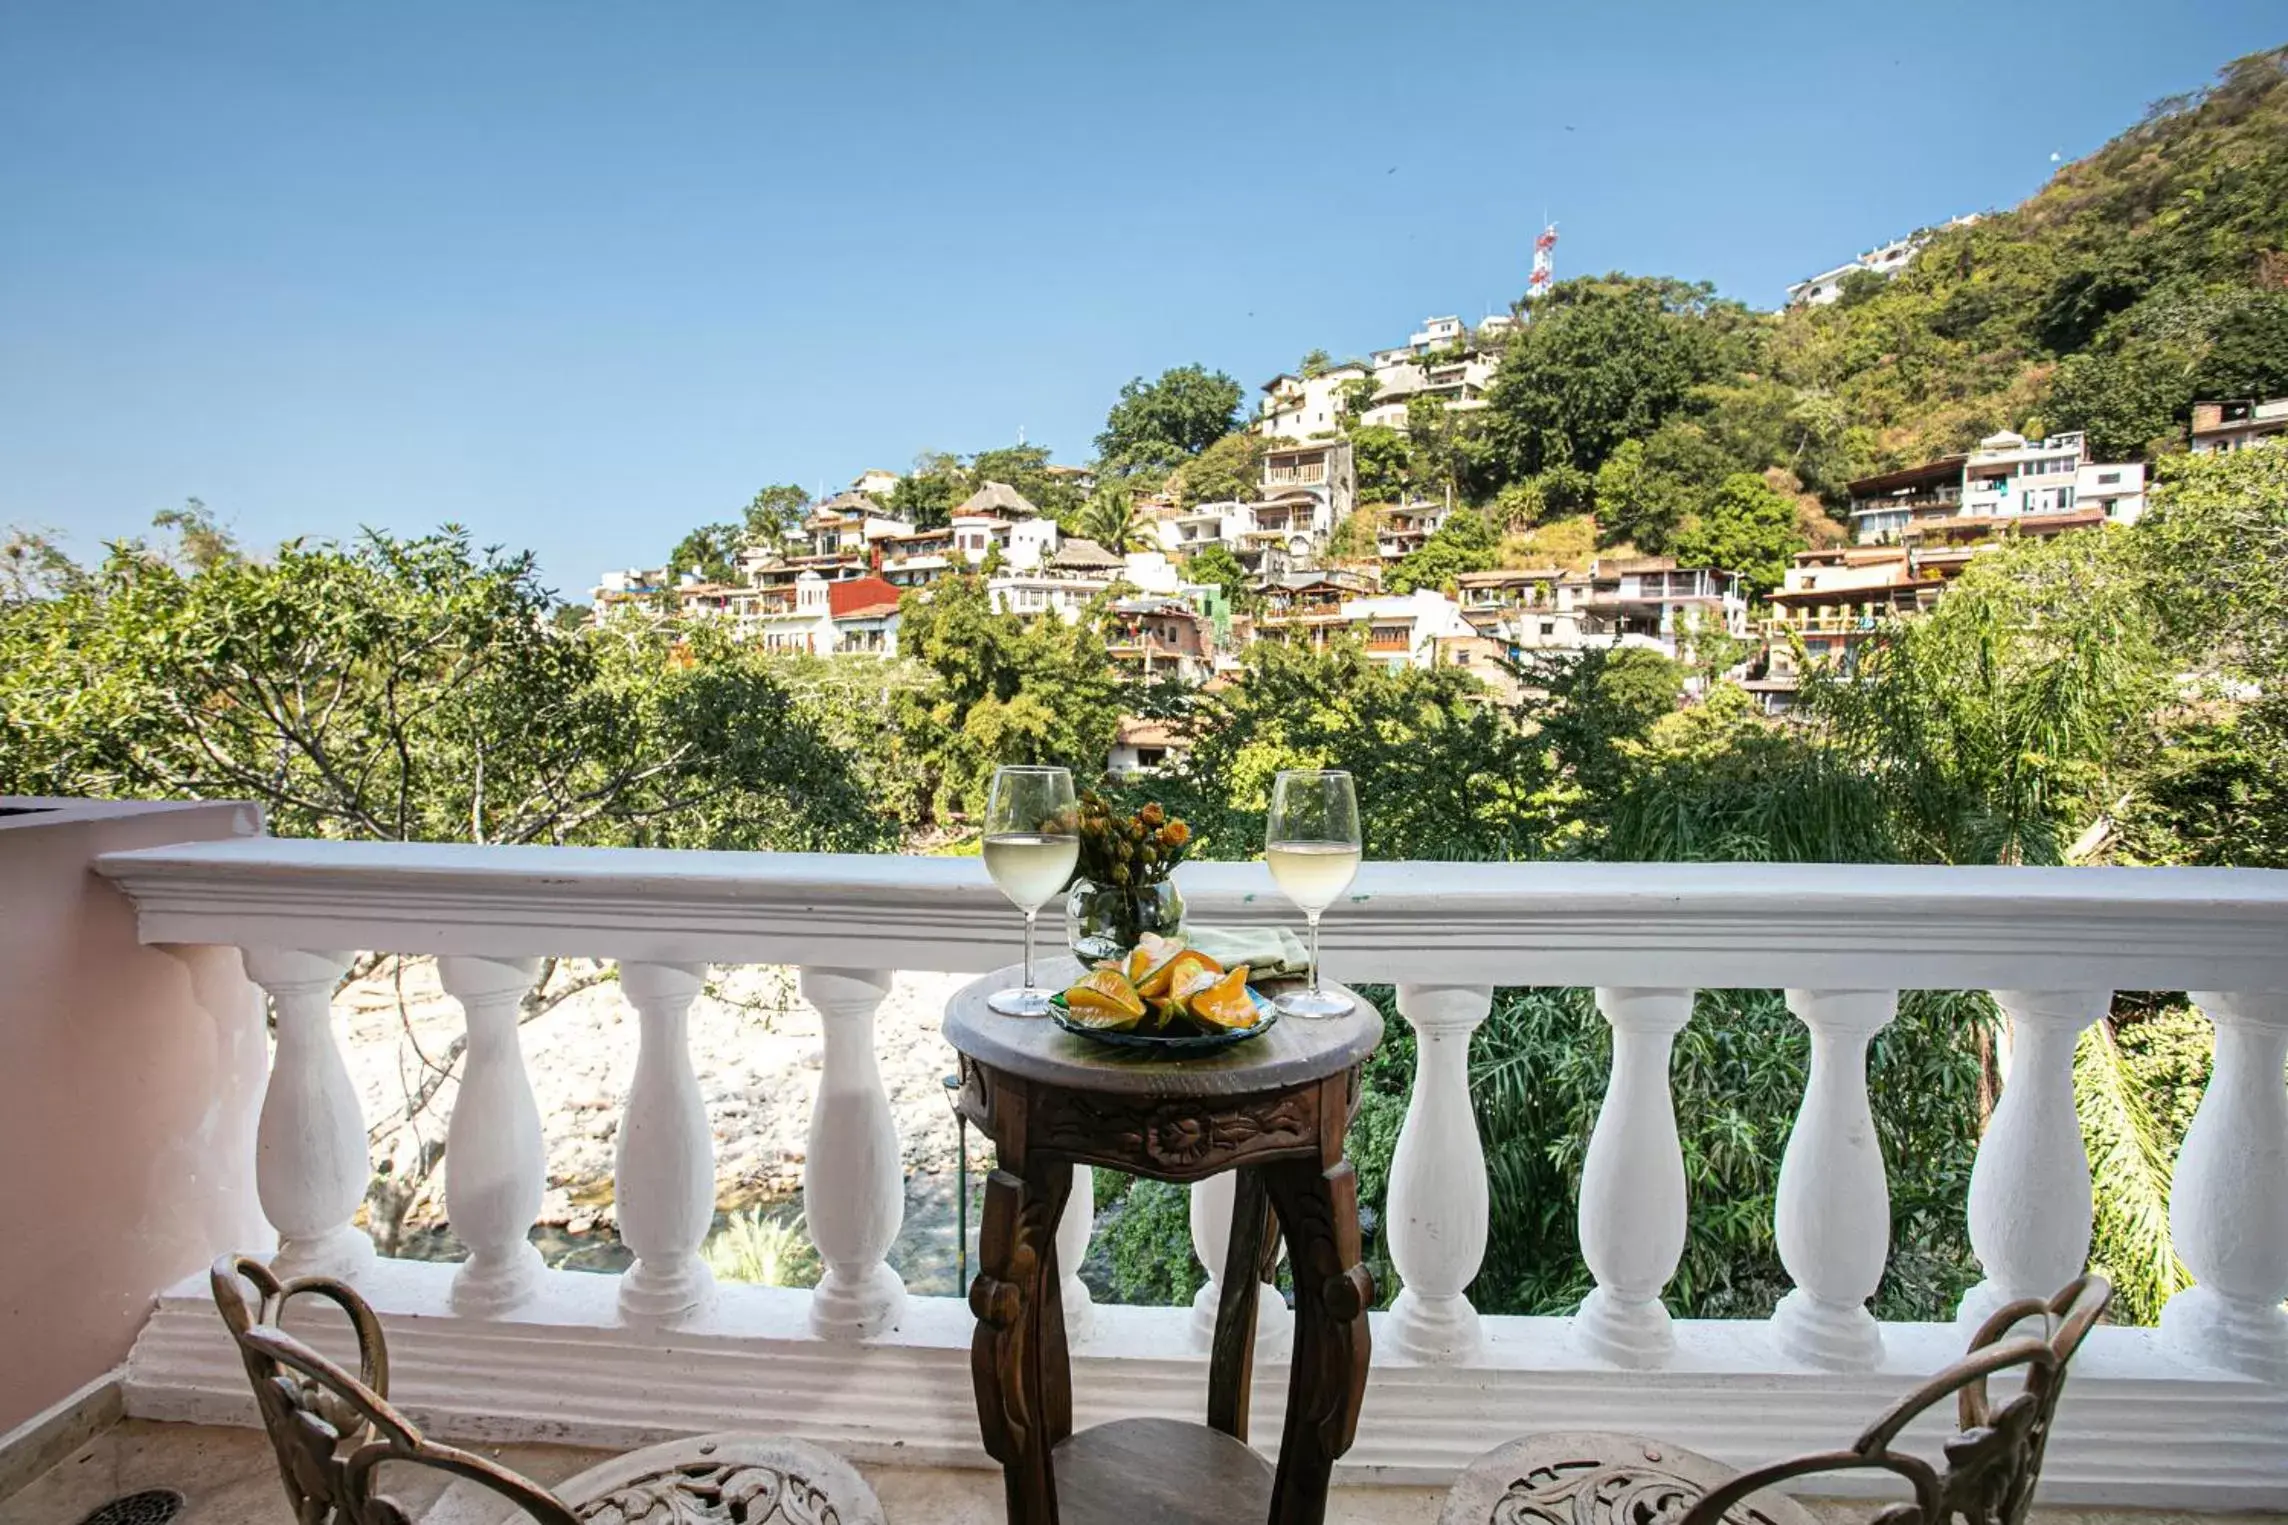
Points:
(756, 1046)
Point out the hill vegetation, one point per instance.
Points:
(2118, 696)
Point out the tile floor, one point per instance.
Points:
(228, 1477)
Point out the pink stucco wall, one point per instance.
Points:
(130, 1078)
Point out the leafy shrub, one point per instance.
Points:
(1149, 1240)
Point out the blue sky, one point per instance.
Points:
(580, 276)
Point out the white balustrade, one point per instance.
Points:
(1072, 1248)
(1437, 1212)
(2030, 1200)
(664, 1183)
(1632, 1184)
(496, 1166)
(2228, 1209)
(854, 1181)
(312, 1164)
(1833, 1220)
(1447, 1382)
(1211, 1205)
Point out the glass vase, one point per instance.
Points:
(1106, 920)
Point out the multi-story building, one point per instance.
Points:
(1833, 599)
(1523, 609)
(1064, 596)
(1307, 490)
(875, 483)
(1444, 360)
(1652, 601)
(823, 617)
(1398, 630)
(2036, 486)
(2009, 477)
(1883, 506)
(629, 590)
(1160, 638)
(846, 525)
(1885, 260)
(1185, 532)
(1141, 745)
(2225, 426)
(1306, 407)
(1400, 531)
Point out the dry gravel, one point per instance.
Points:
(756, 1046)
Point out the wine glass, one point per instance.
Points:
(1032, 841)
(1312, 842)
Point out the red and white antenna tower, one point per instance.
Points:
(1544, 261)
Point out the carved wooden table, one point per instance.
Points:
(1274, 1110)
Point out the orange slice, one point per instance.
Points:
(1105, 999)
(1151, 954)
(1225, 1003)
(1172, 977)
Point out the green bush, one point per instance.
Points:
(1148, 1239)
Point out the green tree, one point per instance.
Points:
(774, 512)
(1008, 690)
(1156, 425)
(1353, 398)
(1217, 565)
(926, 496)
(1316, 363)
(33, 566)
(1450, 775)
(1228, 471)
(2003, 723)
(1748, 527)
(408, 690)
(1384, 461)
(1464, 543)
(1604, 360)
(712, 550)
(1026, 468)
(1111, 520)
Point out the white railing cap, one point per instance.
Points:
(1705, 924)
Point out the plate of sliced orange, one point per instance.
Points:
(1164, 996)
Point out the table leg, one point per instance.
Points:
(1318, 1209)
(1017, 1357)
(1231, 1359)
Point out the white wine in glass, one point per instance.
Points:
(1032, 842)
(1312, 845)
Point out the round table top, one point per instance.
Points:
(1295, 1051)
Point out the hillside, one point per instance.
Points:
(2149, 273)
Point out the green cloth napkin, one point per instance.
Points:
(1265, 950)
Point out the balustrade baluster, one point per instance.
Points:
(1072, 1248)
(2030, 1206)
(311, 1162)
(1211, 1204)
(1632, 1184)
(853, 1184)
(495, 1163)
(2228, 1208)
(664, 1184)
(1437, 1208)
(1834, 1216)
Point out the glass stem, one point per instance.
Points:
(1313, 918)
(1030, 913)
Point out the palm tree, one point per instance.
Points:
(1110, 519)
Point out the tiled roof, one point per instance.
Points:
(854, 595)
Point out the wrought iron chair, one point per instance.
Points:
(334, 1432)
(1991, 1462)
